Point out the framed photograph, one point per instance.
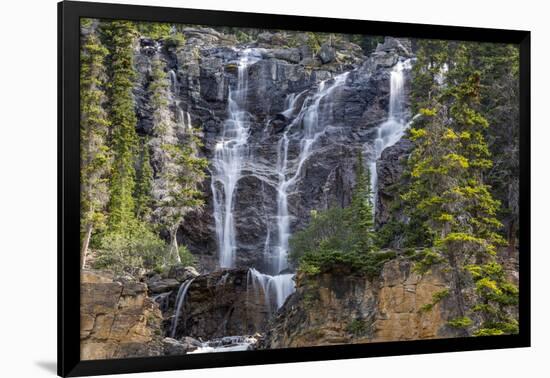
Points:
(239, 188)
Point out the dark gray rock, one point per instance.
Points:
(327, 53)
(205, 69)
(400, 46)
(390, 168)
(181, 273)
(163, 285)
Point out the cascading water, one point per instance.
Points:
(309, 122)
(180, 301)
(393, 129)
(229, 156)
(312, 128)
(275, 288)
(183, 118)
(279, 285)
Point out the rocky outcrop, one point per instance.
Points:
(117, 318)
(390, 168)
(341, 308)
(218, 304)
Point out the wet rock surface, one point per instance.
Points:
(203, 72)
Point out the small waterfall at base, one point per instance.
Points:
(180, 301)
(393, 129)
(229, 156)
(275, 289)
(227, 344)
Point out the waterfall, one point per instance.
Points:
(274, 288)
(163, 300)
(227, 344)
(229, 156)
(277, 286)
(183, 119)
(313, 127)
(180, 301)
(393, 129)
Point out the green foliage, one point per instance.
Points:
(186, 257)
(174, 40)
(341, 237)
(144, 185)
(447, 193)
(154, 30)
(328, 230)
(314, 41)
(437, 297)
(460, 322)
(95, 155)
(121, 36)
(116, 171)
(357, 327)
(130, 252)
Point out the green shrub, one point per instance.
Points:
(186, 257)
(460, 322)
(174, 40)
(357, 327)
(130, 252)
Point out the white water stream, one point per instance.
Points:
(309, 123)
(393, 129)
(230, 153)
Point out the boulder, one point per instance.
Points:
(327, 53)
(173, 347)
(182, 273)
(163, 285)
(400, 46)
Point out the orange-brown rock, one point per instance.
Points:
(342, 308)
(117, 319)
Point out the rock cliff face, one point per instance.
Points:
(203, 73)
(338, 308)
(117, 318)
(219, 304)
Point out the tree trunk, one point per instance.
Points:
(457, 290)
(85, 244)
(174, 245)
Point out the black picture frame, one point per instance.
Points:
(69, 14)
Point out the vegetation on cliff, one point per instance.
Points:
(341, 237)
(151, 93)
(122, 219)
(448, 194)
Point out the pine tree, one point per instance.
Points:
(362, 208)
(94, 153)
(447, 192)
(144, 184)
(124, 141)
(181, 171)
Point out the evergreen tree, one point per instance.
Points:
(124, 141)
(362, 208)
(447, 191)
(94, 153)
(181, 171)
(144, 184)
(341, 236)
